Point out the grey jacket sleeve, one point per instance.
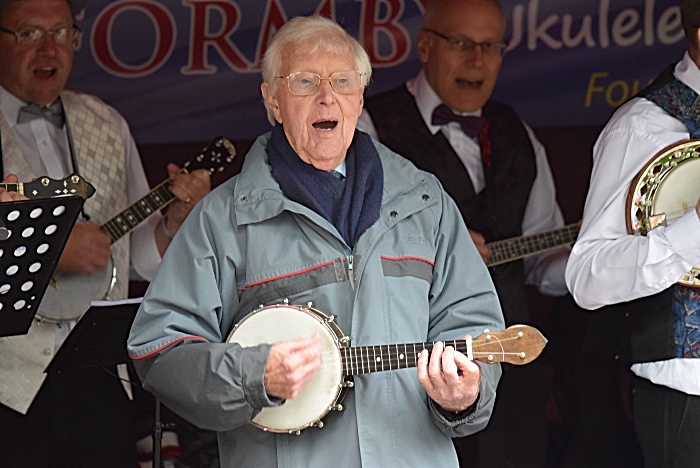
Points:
(178, 342)
(225, 381)
(463, 301)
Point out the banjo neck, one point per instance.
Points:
(518, 344)
(214, 158)
(515, 248)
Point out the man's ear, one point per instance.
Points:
(271, 101)
(423, 44)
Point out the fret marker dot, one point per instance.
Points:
(401, 356)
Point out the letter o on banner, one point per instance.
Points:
(104, 53)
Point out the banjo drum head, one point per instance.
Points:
(275, 323)
(679, 191)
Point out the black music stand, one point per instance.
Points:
(33, 234)
(99, 339)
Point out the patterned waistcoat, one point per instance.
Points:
(101, 160)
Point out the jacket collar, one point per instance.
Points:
(258, 196)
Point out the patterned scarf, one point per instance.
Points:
(351, 205)
(680, 101)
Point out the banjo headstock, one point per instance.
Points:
(517, 344)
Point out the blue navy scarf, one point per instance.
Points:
(351, 205)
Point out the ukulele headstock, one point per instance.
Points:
(214, 157)
(45, 187)
(517, 344)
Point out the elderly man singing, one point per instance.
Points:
(321, 219)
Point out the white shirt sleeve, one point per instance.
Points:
(542, 213)
(145, 258)
(607, 265)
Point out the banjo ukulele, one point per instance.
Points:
(518, 344)
(70, 295)
(663, 191)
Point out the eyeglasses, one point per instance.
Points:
(307, 83)
(36, 36)
(462, 44)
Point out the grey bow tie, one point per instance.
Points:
(53, 113)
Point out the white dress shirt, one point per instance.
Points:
(607, 265)
(542, 213)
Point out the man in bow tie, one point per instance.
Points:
(78, 418)
(491, 163)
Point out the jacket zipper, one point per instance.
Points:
(351, 272)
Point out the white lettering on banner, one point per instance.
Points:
(627, 28)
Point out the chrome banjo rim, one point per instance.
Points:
(646, 185)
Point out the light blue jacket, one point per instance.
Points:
(416, 277)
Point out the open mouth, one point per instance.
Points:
(462, 83)
(325, 124)
(45, 72)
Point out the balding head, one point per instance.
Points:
(436, 10)
(460, 46)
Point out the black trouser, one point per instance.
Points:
(517, 433)
(667, 423)
(79, 419)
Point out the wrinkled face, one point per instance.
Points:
(320, 126)
(35, 72)
(463, 80)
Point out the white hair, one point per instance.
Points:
(310, 33)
